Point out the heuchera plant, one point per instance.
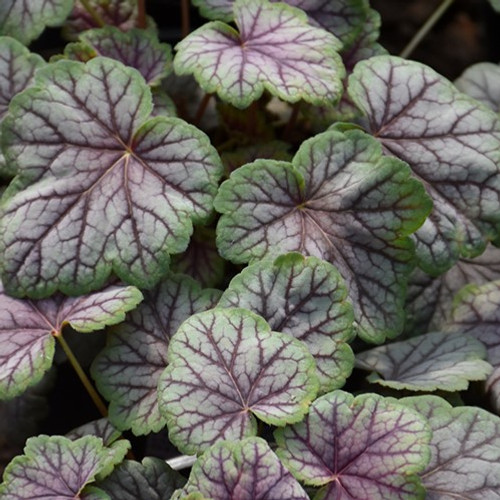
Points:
(255, 222)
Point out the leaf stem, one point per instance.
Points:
(427, 26)
(141, 14)
(201, 109)
(186, 23)
(93, 13)
(82, 375)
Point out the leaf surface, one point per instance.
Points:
(452, 144)
(246, 469)
(27, 330)
(340, 200)
(303, 297)
(225, 367)
(465, 451)
(364, 447)
(101, 428)
(128, 369)
(26, 19)
(101, 186)
(427, 363)
(275, 49)
(480, 81)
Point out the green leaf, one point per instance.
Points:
(435, 361)
(275, 49)
(465, 451)
(366, 446)
(225, 366)
(102, 186)
(128, 369)
(303, 297)
(340, 200)
(451, 142)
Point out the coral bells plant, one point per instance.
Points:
(285, 238)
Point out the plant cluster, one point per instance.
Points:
(255, 222)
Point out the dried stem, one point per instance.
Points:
(141, 14)
(186, 24)
(201, 109)
(93, 13)
(424, 30)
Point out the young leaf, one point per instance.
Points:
(275, 50)
(429, 362)
(452, 144)
(340, 200)
(366, 446)
(136, 48)
(101, 186)
(17, 69)
(304, 297)
(55, 467)
(465, 450)
(480, 81)
(27, 330)
(152, 479)
(245, 469)
(225, 367)
(26, 19)
(128, 369)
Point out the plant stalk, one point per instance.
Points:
(141, 14)
(93, 13)
(186, 23)
(103, 410)
(201, 109)
(427, 26)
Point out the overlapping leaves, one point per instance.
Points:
(340, 200)
(101, 186)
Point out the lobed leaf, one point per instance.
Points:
(225, 366)
(364, 447)
(480, 82)
(101, 428)
(303, 297)
(128, 369)
(246, 469)
(435, 361)
(101, 186)
(275, 49)
(340, 200)
(452, 144)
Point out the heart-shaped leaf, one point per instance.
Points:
(26, 19)
(246, 469)
(452, 144)
(17, 69)
(340, 200)
(100, 187)
(128, 369)
(429, 362)
(465, 451)
(304, 297)
(366, 446)
(225, 367)
(55, 467)
(275, 49)
(136, 48)
(27, 330)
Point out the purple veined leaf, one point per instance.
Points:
(340, 200)
(152, 479)
(430, 300)
(27, 330)
(26, 19)
(128, 369)
(452, 144)
(101, 428)
(363, 447)
(275, 49)
(465, 450)
(99, 181)
(430, 362)
(17, 69)
(225, 368)
(55, 467)
(304, 297)
(139, 49)
(246, 469)
(163, 105)
(476, 312)
(480, 81)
